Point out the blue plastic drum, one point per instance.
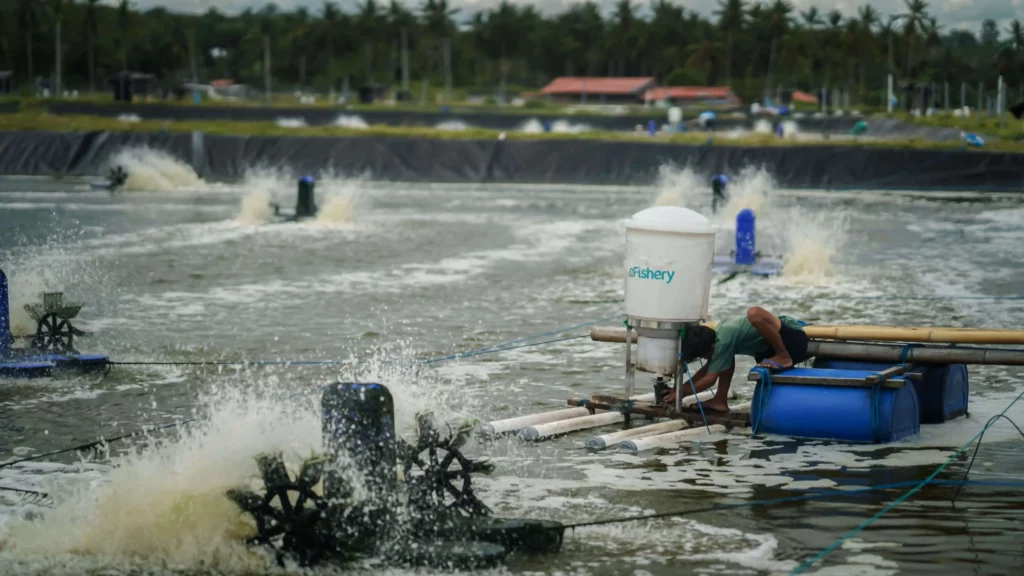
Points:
(835, 412)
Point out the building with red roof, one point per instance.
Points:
(721, 95)
(617, 90)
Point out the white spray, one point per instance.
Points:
(154, 170)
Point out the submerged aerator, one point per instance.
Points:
(373, 494)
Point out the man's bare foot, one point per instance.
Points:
(716, 405)
(779, 362)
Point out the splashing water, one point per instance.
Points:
(681, 187)
(347, 121)
(296, 122)
(133, 118)
(790, 128)
(167, 504)
(264, 185)
(748, 190)
(155, 170)
(535, 126)
(813, 240)
(762, 126)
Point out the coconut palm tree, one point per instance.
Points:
(813, 22)
(778, 26)
(706, 56)
(914, 20)
(731, 18)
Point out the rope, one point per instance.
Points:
(765, 384)
(815, 495)
(876, 408)
(810, 496)
(917, 486)
(700, 405)
(978, 447)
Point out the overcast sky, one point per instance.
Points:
(950, 13)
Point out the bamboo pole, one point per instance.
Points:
(869, 334)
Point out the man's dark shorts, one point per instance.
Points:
(795, 341)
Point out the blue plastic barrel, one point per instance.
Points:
(943, 391)
(652, 127)
(746, 245)
(835, 412)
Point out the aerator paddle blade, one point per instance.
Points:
(273, 471)
(247, 500)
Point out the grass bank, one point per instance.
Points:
(47, 122)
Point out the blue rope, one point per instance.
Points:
(700, 405)
(765, 383)
(917, 486)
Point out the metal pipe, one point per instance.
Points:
(870, 334)
(879, 352)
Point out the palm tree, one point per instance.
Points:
(91, 31)
(914, 21)
(28, 18)
(778, 26)
(705, 56)
(731, 16)
(813, 23)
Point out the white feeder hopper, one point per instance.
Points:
(670, 252)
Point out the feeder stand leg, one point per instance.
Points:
(679, 375)
(630, 367)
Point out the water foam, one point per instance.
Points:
(453, 125)
(291, 122)
(535, 126)
(337, 196)
(351, 121)
(150, 169)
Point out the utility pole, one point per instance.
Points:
(192, 56)
(405, 60)
(266, 68)
(945, 101)
(447, 46)
(889, 102)
(1001, 102)
(981, 96)
(57, 66)
(963, 94)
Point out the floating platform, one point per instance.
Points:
(45, 365)
(763, 267)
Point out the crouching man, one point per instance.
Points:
(777, 343)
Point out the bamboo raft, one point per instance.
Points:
(901, 348)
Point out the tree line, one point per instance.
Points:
(755, 47)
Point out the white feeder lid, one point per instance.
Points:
(671, 219)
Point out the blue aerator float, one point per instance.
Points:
(745, 258)
(305, 203)
(52, 346)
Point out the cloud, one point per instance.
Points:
(950, 13)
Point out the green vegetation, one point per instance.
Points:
(48, 122)
(753, 46)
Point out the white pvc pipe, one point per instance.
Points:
(566, 426)
(521, 422)
(670, 439)
(602, 442)
(613, 439)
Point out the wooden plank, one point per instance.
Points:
(869, 334)
(887, 374)
(809, 381)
